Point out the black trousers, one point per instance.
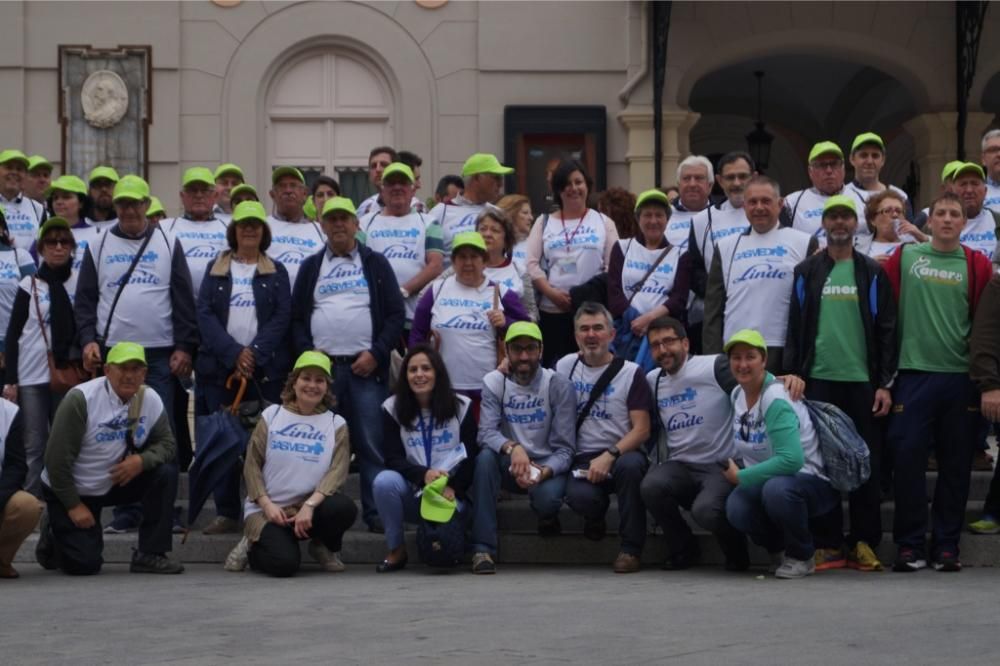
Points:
(558, 336)
(277, 551)
(856, 400)
(79, 551)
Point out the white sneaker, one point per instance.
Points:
(329, 561)
(238, 557)
(775, 561)
(792, 568)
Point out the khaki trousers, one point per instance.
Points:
(19, 518)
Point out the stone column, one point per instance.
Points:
(675, 141)
(936, 144)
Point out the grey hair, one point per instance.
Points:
(592, 308)
(992, 134)
(696, 160)
(761, 179)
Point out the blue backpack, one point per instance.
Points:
(845, 453)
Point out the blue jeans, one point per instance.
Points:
(492, 472)
(775, 514)
(38, 405)
(359, 401)
(592, 500)
(397, 502)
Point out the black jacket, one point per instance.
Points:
(878, 316)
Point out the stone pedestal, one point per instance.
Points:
(674, 139)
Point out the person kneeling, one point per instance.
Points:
(19, 510)
(110, 444)
(297, 459)
(783, 484)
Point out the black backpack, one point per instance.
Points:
(441, 545)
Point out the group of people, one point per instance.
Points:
(460, 350)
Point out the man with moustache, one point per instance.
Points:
(826, 173)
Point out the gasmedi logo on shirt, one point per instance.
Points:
(921, 269)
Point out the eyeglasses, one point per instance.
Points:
(53, 242)
(992, 150)
(517, 350)
(895, 212)
(733, 177)
(665, 342)
(827, 166)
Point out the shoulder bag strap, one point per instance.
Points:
(134, 412)
(602, 383)
(638, 285)
(38, 312)
(121, 286)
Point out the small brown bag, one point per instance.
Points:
(60, 379)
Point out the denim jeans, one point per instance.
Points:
(359, 401)
(397, 502)
(775, 514)
(38, 405)
(493, 471)
(591, 500)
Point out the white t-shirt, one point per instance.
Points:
(468, 341)
(992, 195)
(242, 321)
(293, 242)
(881, 248)
(525, 412)
(454, 219)
(519, 255)
(341, 317)
(299, 453)
(32, 359)
(370, 205)
(715, 223)
(8, 410)
(11, 262)
(572, 249)
(697, 415)
(637, 262)
(201, 242)
(806, 209)
(679, 227)
(85, 237)
(757, 270)
(24, 217)
(401, 240)
(979, 233)
(443, 440)
(608, 420)
(508, 275)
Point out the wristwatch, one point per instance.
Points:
(613, 450)
(311, 504)
(404, 292)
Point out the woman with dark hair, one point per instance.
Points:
(243, 315)
(42, 321)
(15, 264)
(619, 204)
(69, 199)
(297, 461)
(429, 432)
(323, 189)
(566, 249)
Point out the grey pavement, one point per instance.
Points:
(581, 615)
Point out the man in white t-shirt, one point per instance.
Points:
(226, 177)
(38, 179)
(23, 215)
(378, 159)
(868, 158)
(990, 158)
(695, 176)
(293, 236)
(826, 173)
(202, 236)
(101, 183)
(979, 232)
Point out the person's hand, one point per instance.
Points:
(883, 402)
(600, 467)
(448, 493)
(245, 363)
(81, 516)
(180, 363)
(504, 366)
(496, 318)
(520, 463)
(303, 522)
(126, 470)
(561, 299)
(10, 392)
(882, 258)
(274, 513)
(364, 364)
(731, 473)
(907, 227)
(91, 356)
(431, 474)
(640, 324)
(991, 405)
(795, 386)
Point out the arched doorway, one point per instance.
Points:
(325, 109)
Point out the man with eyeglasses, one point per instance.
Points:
(991, 163)
(23, 215)
(826, 173)
(979, 233)
(868, 157)
(527, 438)
(842, 340)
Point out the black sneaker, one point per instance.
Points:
(154, 563)
(594, 529)
(907, 560)
(45, 549)
(947, 560)
(683, 559)
(549, 527)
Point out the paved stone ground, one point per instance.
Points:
(582, 615)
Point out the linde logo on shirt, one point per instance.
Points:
(116, 429)
(201, 252)
(762, 271)
(343, 277)
(125, 258)
(301, 438)
(17, 220)
(9, 272)
(291, 257)
(687, 395)
(140, 275)
(839, 292)
(242, 299)
(921, 269)
(576, 241)
(524, 409)
(464, 322)
(776, 251)
(400, 252)
(465, 303)
(682, 420)
(395, 233)
(464, 223)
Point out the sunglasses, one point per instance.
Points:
(53, 242)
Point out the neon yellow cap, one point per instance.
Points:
(840, 201)
(867, 137)
(249, 210)
(339, 203)
(281, 172)
(484, 163)
(67, 183)
(468, 239)
(825, 148)
(53, 223)
(228, 168)
(520, 329)
(103, 172)
(36, 161)
(131, 187)
(434, 506)
(155, 207)
(309, 209)
(746, 336)
(400, 168)
(123, 352)
(13, 154)
(244, 189)
(949, 169)
(313, 359)
(968, 167)
(198, 175)
(652, 196)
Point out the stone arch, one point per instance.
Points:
(294, 30)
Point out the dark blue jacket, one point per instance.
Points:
(218, 352)
(387, 307)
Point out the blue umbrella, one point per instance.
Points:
(221, 442)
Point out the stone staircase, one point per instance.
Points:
(519, 542)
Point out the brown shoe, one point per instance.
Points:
(626, 563)
(7, 571)
(221, 525)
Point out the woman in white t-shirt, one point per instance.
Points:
(68, 198)
(15, 263)
(518, 210)
(244, 315)
(42, 321)
(884, 215)
(566, 249)
(498, 232)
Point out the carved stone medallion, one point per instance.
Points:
(104, 98)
